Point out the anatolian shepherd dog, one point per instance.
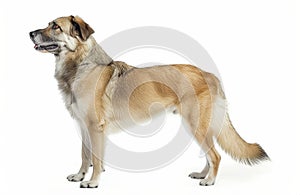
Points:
(98, 92)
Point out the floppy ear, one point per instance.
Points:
(80, 28)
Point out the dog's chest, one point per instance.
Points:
(85, 99)
(81, 97)
(77, 91)
(77, 99)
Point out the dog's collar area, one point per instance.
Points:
(110, 63)
(115, 67)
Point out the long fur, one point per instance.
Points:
(99, 91)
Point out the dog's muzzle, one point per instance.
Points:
(40, 44)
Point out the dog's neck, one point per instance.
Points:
(68, 63)
(88, 52)
(96, 55)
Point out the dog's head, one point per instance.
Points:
(64, 33)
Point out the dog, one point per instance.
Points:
(98, 92)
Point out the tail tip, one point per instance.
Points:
(260, 156)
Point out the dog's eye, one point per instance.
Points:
(55, 27)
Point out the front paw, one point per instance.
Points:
(89, 184)
(76, 177)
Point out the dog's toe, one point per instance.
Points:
(207, 182)
(75, 177)
(89, 184)
(196, 175)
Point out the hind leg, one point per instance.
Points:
(202, 174)
(204, 139)
(209, 173)
(213, 159)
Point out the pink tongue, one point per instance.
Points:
(35, 46)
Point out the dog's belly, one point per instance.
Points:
(127, 120)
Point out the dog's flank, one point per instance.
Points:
(99, 91)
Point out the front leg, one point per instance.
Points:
(86, 163)
(97, 141)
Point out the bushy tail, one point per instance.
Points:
(231, 142)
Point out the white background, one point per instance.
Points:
(255, 45)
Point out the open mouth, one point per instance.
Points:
(48, 47)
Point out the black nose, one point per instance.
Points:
(32, 34)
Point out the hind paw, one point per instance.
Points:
(89, 184)
(196, 175)
(207, 182)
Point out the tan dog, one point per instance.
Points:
(99, 92)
